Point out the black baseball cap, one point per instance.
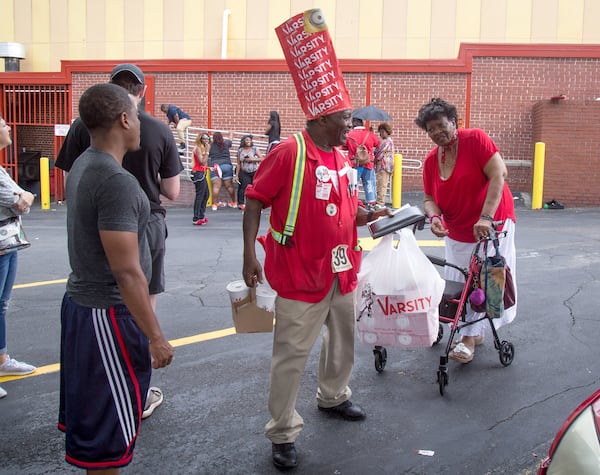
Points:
(130, 68)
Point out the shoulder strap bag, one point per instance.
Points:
(12, 236)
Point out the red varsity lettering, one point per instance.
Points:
(390, 307)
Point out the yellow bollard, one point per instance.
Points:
(209, 202)
(538, 175)
(45, 182)
(397, 181)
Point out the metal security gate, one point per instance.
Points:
(32, 109)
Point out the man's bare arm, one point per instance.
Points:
(121, 249)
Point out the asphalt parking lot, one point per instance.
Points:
(491, 420)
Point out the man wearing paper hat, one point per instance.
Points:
(312, 253)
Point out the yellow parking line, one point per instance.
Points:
(51, 368)
(366, 243)
(38, 284)
(188, 340)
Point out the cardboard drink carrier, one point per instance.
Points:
(249, 318)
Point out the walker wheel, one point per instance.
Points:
(506, 353)
(440, 334)
(380, 354)
(442, 379)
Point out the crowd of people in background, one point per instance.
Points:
(213, 157)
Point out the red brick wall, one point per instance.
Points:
(188, 91)
(504, 91)
(401, 95)
(81, 82)
(37, 138)
(572, 159)
(499, 93)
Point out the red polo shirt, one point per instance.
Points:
(304, 271)
(461, 196)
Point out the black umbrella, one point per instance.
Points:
(371, 113)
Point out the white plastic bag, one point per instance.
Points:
(399, 291)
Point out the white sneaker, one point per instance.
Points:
(3, 393)
(153, 400)
(15, 368)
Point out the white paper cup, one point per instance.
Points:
(265, 298)
(238, 290)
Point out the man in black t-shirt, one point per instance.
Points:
(156, 165)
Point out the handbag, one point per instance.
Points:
(12, 236)
(496, 282)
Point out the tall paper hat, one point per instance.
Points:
(313, 64)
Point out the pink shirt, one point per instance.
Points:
(461, 196)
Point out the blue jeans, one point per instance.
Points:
(367, 175)
(8, 272)
(226, 171)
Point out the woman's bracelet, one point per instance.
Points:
(434, 216)
(487, 217)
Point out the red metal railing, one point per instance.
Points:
(34, 105)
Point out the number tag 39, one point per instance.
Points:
(339, 259)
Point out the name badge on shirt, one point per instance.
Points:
(323, 190)
(339, 259)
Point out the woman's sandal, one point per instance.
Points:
(461, 353)
(479, 340)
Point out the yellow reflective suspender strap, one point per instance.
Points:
(292, 216)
